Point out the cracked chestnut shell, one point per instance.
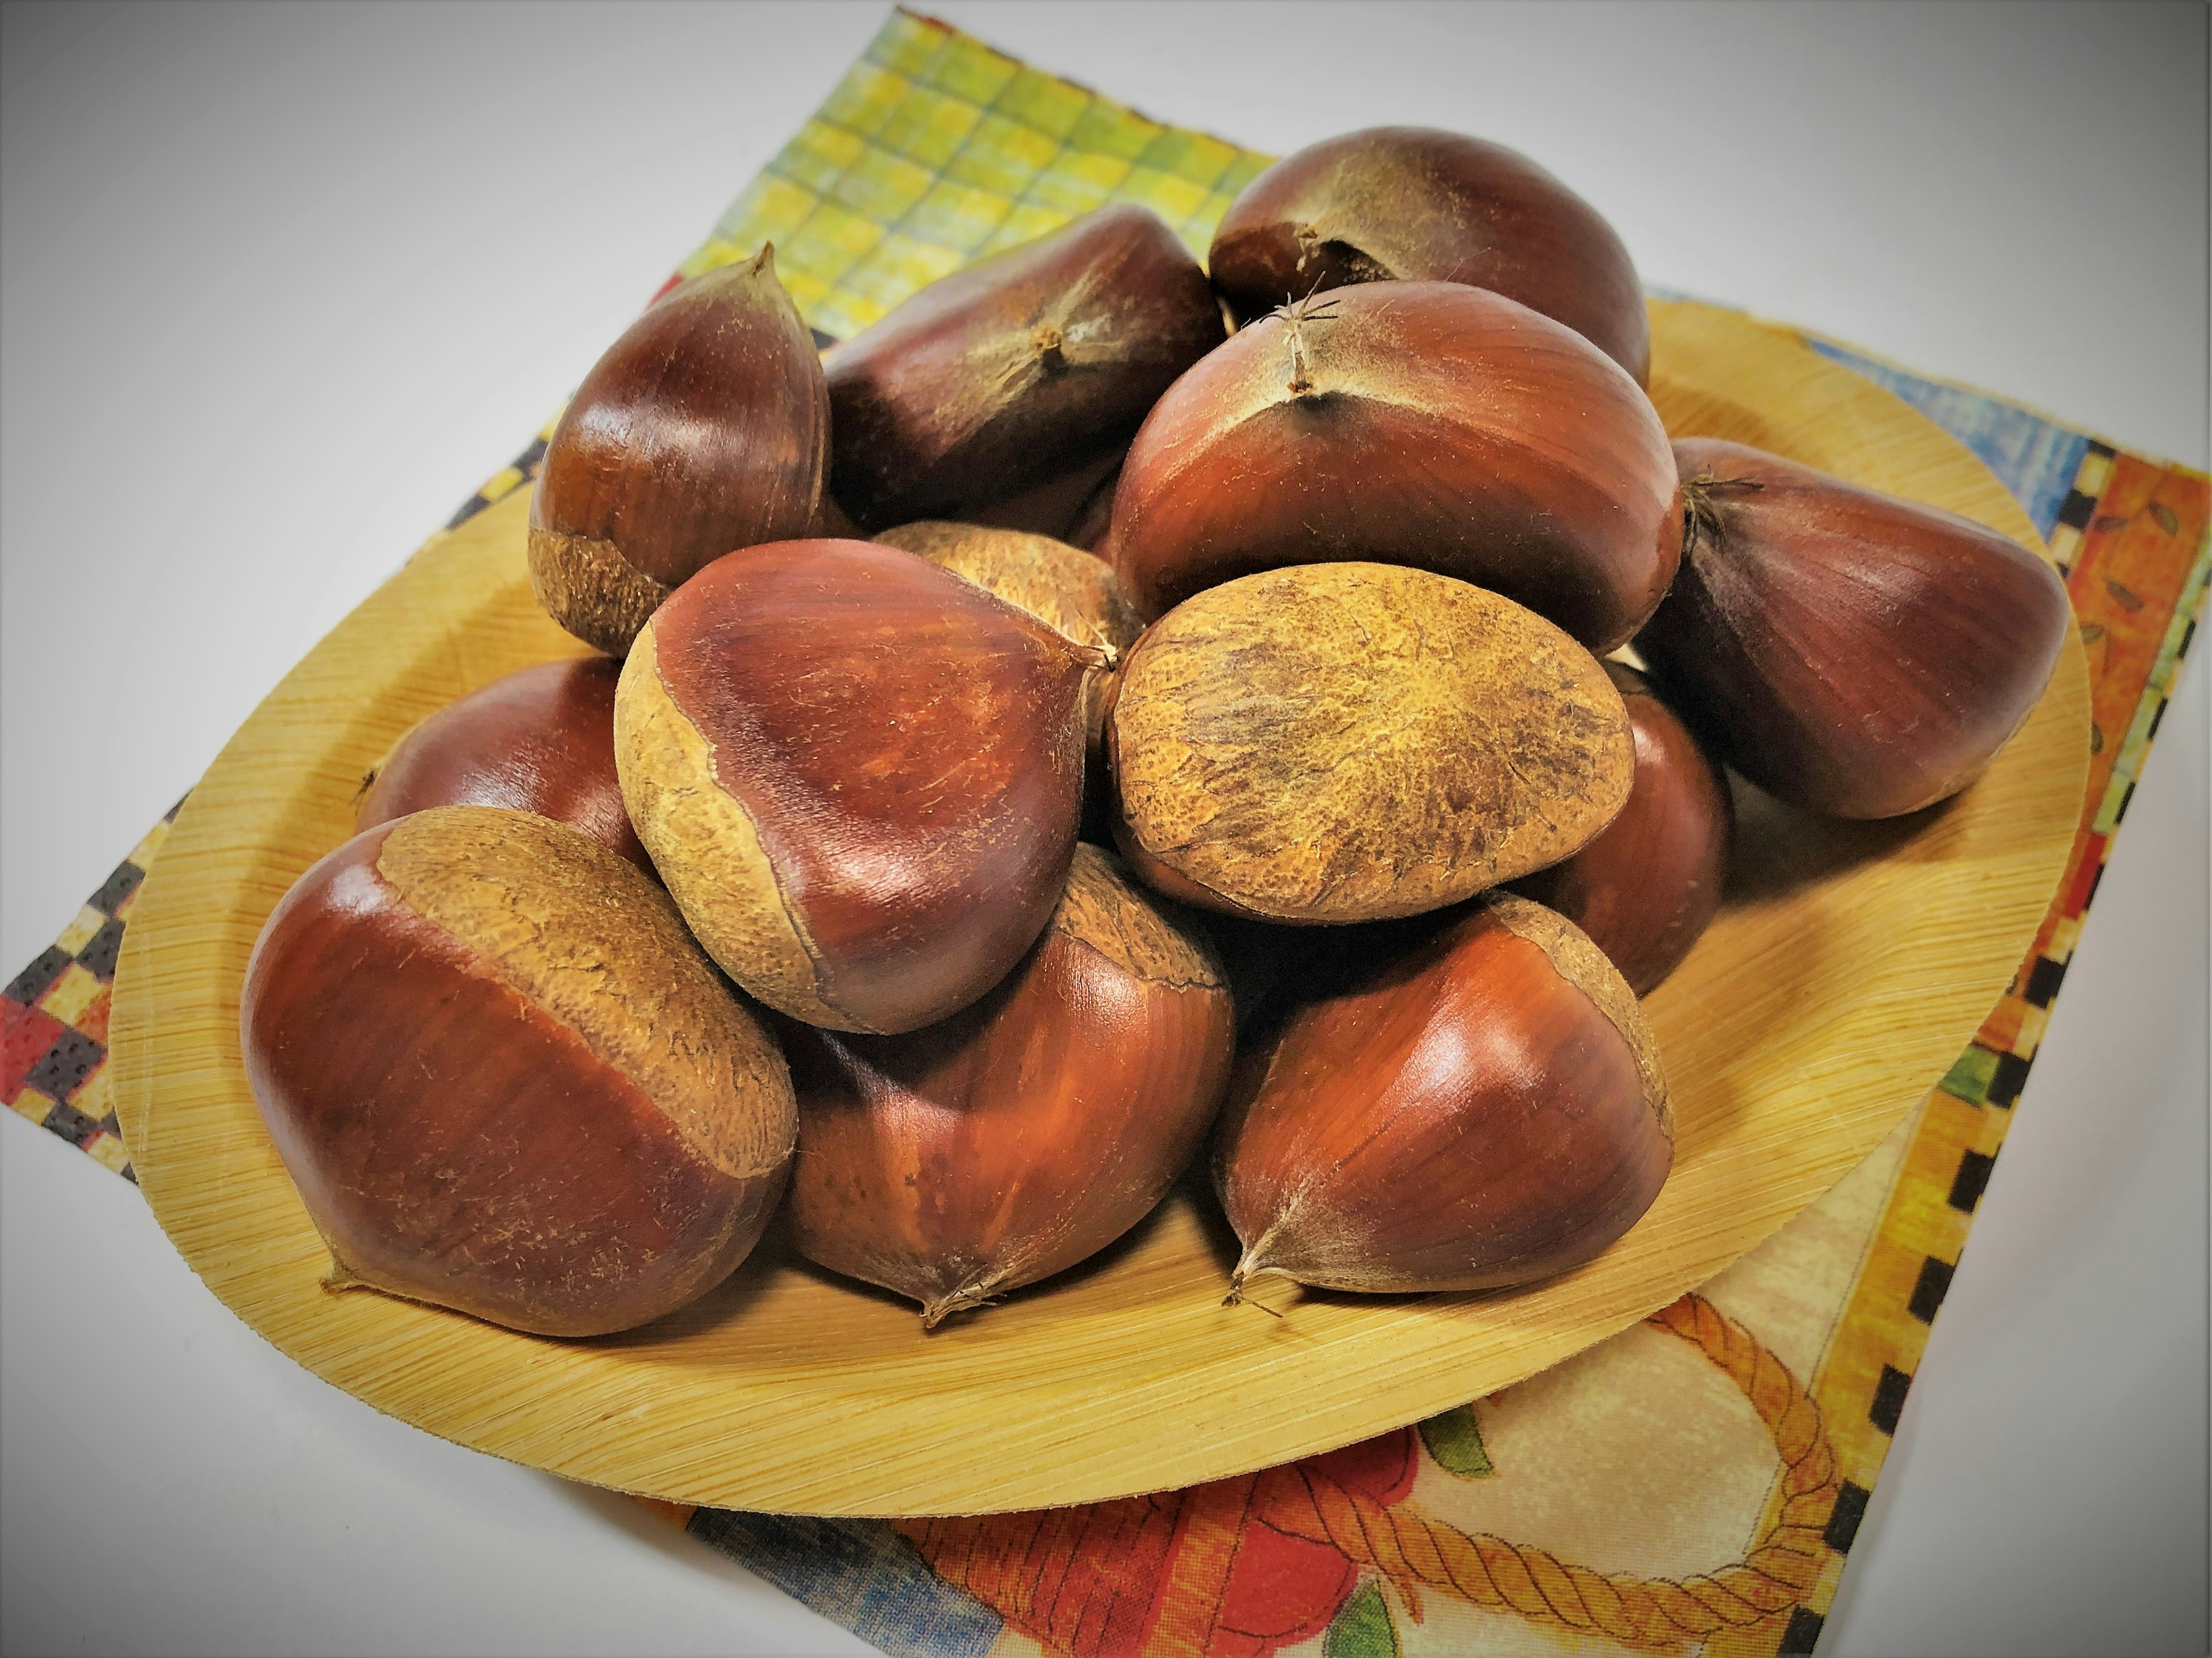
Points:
(1853, 653)
(504, 1079)
(1017, 370)
(1418, 204)
(1648, 886)
(958, 1163)
(540, 739)
(1465, 1107)
(857, 773)
(1352, 742)
(704, 429)
(1418, 423)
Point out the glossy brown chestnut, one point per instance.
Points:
(1017, 369)
(705, 428)
(1418, 423)
(1482, 1108)
(541, 739)
(504, 1079)
(1853, 653)
(1414, 204)
(1650, 884)
(1350, 742)
(1014, 1140)
(857, 773)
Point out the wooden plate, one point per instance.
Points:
(1850, 965)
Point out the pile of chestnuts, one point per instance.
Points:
(1212, 747)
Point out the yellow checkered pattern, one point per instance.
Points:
(935, 150)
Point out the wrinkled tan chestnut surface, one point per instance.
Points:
(1855, 654)
(704, 429)
(506, 1082)
(1646, 888)
(858, 774)
(1418, 423)
(1019, 1137)
(540, 739)
(1014, 371)
(1350, 741)
(1415, 205)
(1479, 1107)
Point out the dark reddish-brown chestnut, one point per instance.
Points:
(1350, 742)
(504, 1079)
(1414, 204)
(704, 429)
(1017, 369)
(1025, 1135)
(858, 774)
(1479, 1107)
(540, 739)
(1648, 886)
(1853, 653)
(1418, 423)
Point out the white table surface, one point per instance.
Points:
(282, 285)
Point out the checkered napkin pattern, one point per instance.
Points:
(934, 150)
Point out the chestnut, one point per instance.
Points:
(1350, 742)
(1418, 423)
(1464, 1105)
(858, 774)
(704, 429)
(504, 1079)
(960, 1161)
(1017, 369)
(1854, 653)
(1415, 205)
(541, 739)
(1650, 884)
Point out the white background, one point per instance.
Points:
(282, 285)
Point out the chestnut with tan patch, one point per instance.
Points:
(505, 1081)
(1352, 741)
(960, 1161)
(704, 429)
(1461, 1108)
(858, 774)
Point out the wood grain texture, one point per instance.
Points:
(1849, 966)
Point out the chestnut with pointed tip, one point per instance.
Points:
(1418, 423)
(504, 1079)
(704, 429)
(1854, 653)
(1646, 887)
(1416, 205)
(858, 774)
(1350, 742)
(1463, 1107)
(1007, 1143)
(540, 739)
(1017, 369)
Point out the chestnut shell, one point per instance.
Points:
(1418, 423)
(1462, 1107)
(1022, 1135)
(1017, 370)
(1853, 653)
(540, 739)
(1418, 204)
(1648, 886)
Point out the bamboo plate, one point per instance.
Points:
(1849, 966)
